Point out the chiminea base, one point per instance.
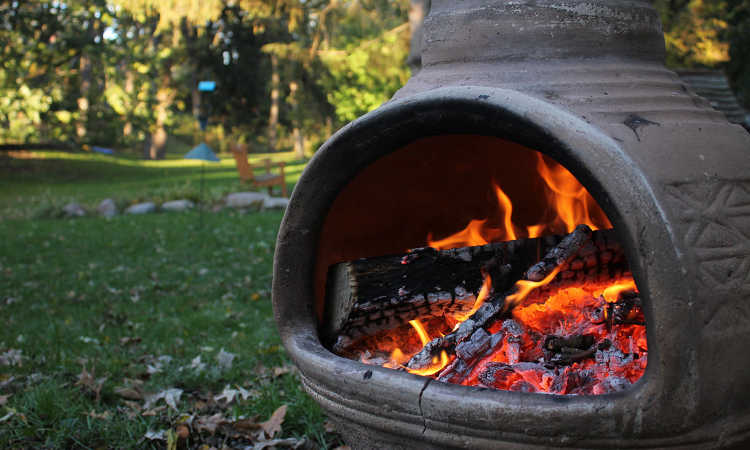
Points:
(371, 426)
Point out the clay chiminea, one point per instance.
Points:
(583, 82)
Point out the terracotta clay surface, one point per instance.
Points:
(583, 82)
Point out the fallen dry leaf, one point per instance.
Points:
(95, 415)
(87, 381)
(343, 447)
(196, 364)
(208, 423)
(273, 424)
(4, 399)
(160, 435)
(128, 340)
(225, 359)
(283, 370)
(246, 426)
(154, 411)
(229, 394)
(129, 393)
(170, 396)
(12, 357)
(288, 443)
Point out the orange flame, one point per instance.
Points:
(423, 336)
(612, 292)
(484, 292)
(525, 287)
(436, 364)
(506, 208)
(568, 199)
(435, 367)
(570, 204)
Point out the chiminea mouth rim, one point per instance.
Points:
(588, 153)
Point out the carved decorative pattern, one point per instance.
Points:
(717, 215)
(716, 224)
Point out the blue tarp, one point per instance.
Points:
(104, 150)
(206, 86)
(202, 152)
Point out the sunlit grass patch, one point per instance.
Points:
(41, 183)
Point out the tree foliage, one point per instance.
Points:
(709, 33)
(124, 73)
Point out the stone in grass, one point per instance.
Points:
(107, 208)
(73, 209)
(177, 205)
(245, 200)
(275, 203)
(141, 208)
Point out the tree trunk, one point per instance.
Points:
(273, 116)
(164, 100)
(299, 137)
(85, 68)
(127, 128)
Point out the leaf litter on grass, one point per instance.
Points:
(192, 320)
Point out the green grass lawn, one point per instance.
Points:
(46, 180)
(102, 315)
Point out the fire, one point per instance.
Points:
(421, 332)
(435, 367)
(579, 338)
(612, 292)
(524, 288)
(437, 364)
(570, 204)
(484, 292)
(507, 209)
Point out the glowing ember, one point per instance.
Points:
(584, 338)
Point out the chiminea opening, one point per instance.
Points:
(579, 330)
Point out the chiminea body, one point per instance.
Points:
(582, 82)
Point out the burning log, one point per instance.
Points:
(478, 346)
(368, 295)
(371, 294)
(492, 309)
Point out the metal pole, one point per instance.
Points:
(200, 199)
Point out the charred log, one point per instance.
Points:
(560, 254)
(368, 295)
(564, 351)
(495, 305)
(371, 294)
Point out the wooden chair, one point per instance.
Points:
(268, 179)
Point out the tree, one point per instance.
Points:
(709, 33)
(365, 56)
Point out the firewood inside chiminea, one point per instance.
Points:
(545, 307)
